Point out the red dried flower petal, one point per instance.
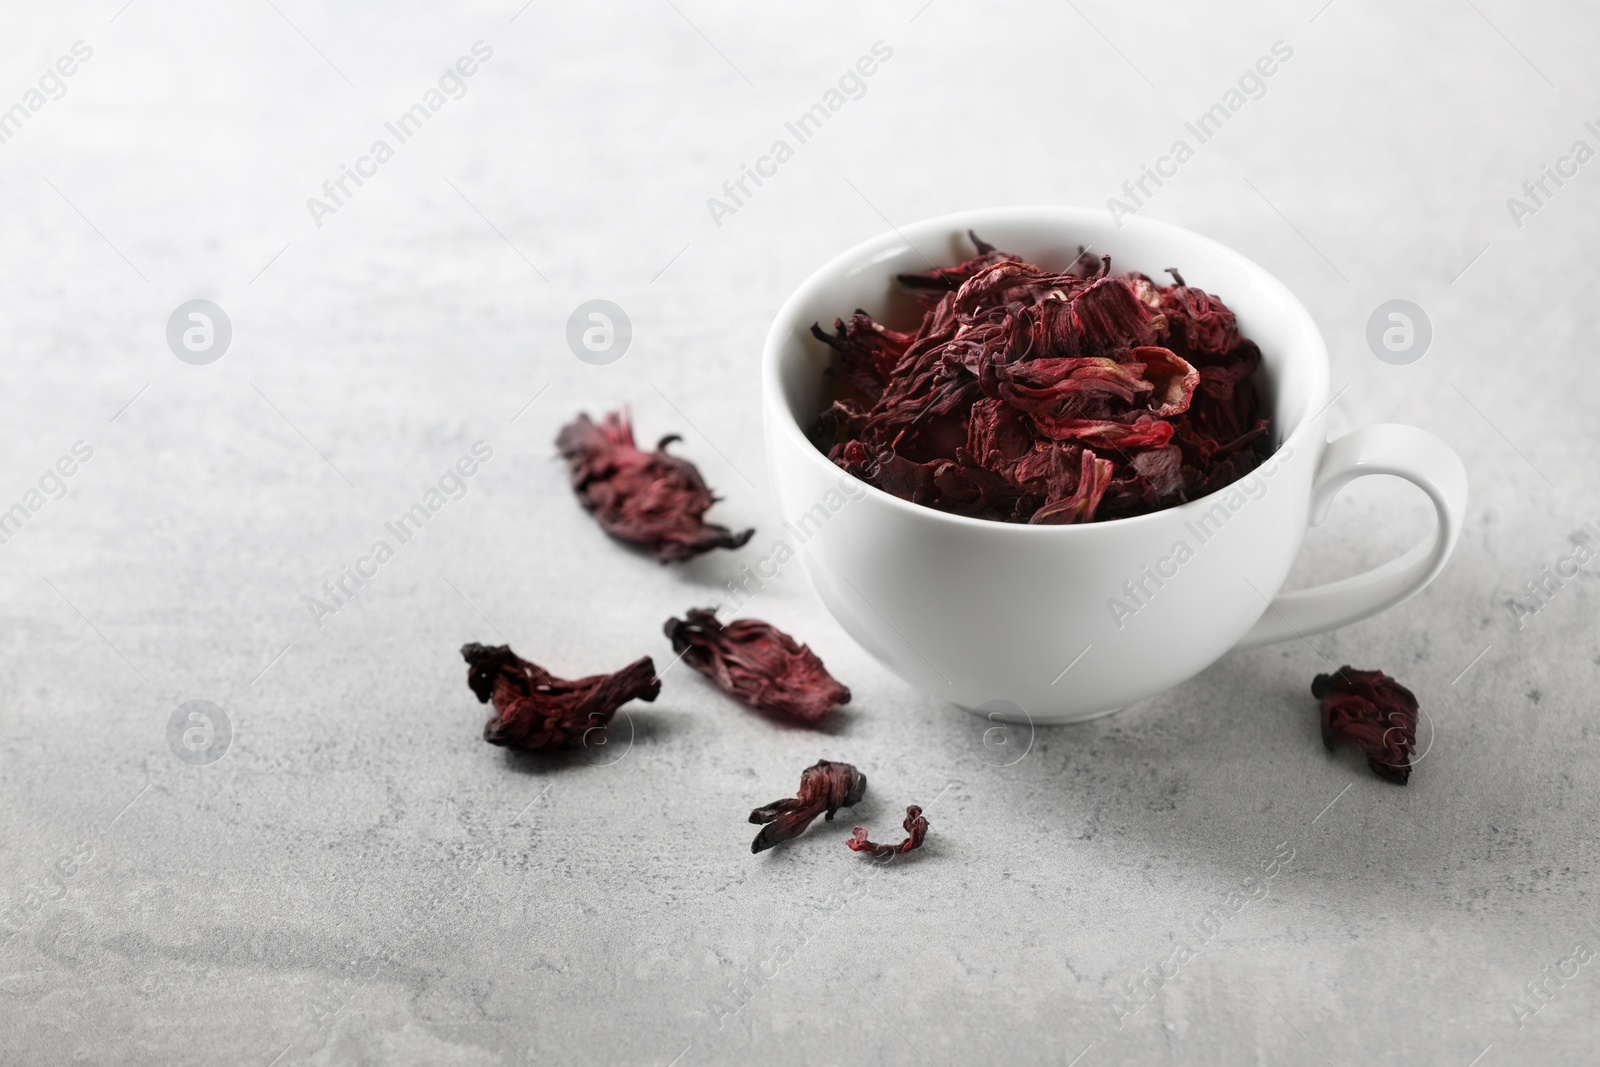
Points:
(758, 664)
(537, 712)
(1161, 467)
(932, 285)
(1198, 321)
(995, 434)
(1111, 317)
(1375, 713)
(1172, 380)
(1094, 477)
(825, 787)
(1011, 377)
(914, 824)
(1044, 387)
(1143, 432)
(648, 498)
(868, 352)
(1225, 406)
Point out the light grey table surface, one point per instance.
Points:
(360, 879)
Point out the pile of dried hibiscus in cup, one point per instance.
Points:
(1037, 396)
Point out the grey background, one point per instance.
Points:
(361, 880)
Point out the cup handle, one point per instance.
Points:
(1388, 448)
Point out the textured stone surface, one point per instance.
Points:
(361, 879)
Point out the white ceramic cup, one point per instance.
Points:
(1054, 624)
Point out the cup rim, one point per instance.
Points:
(860, 257)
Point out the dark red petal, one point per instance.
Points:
(1198, 322)
(757, 663)
(933, 284)
(647, 498)
(1162, 468)
(996, 436)
(1111, 317)
(825, 787)
(915, 825)
(1375, 713)
(1142, 432)
(1173, 380)
(1051, 388)
(537, 712)
(868, 352)
(1094, 477)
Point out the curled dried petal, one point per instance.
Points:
(757, 663)
(1161, 467)
(915, 825)
(1045, 387)
(1111, 317)
(996, 436)
(1172, 380)
(825, 787)
(537, 712)
(1144, 431)
(868, 352)
(1094, 477)
(1199, 322)
(1375, 713)
(934, 284)
(648, 498)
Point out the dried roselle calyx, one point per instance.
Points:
(647, 498)
(914, 824)
(841, 424)
(1198, 321)
(537, 712)
(933, 284)
(1108, 317)
(1152, 479)
(1094, 478)
(825, 787)
(1225, 405)
(1028, 395)
(1375, 713)
(757, 663)
(868, 352)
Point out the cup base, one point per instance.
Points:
(1015, 715)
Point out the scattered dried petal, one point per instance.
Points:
(758, 664)
(649, 498)
(537, 712)
(825, 787)
(1028, 395)
(915, 825)
(1375, 713)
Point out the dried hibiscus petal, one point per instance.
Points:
(649, 498)
(935, 283)
(537, 712)
(825, 787)
(868, 352)
(915, 825)
(1029, 395)
(1202, 324)
(1094, 477)
(1375, 713)
(758, 664)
